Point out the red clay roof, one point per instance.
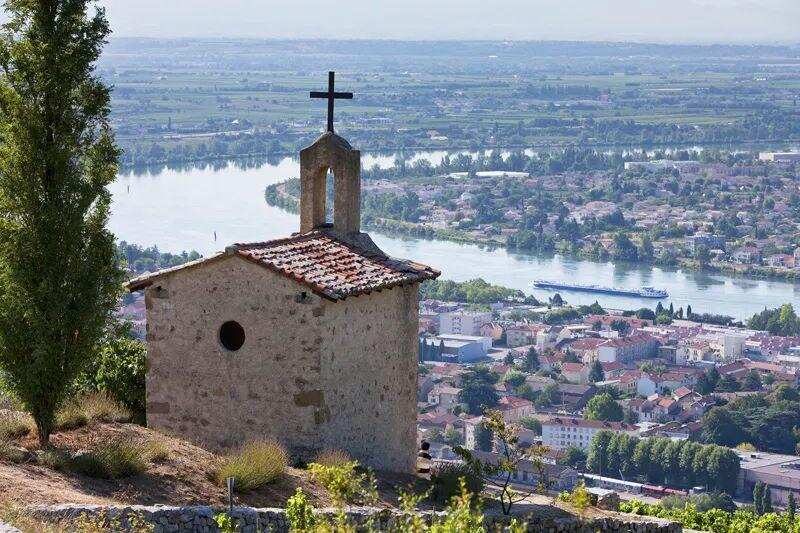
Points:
(330, 267)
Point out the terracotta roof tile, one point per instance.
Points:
(330, 267)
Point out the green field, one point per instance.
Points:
(251, 97)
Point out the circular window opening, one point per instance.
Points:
(231, 335)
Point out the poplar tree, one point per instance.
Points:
(59, 280)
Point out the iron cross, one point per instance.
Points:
(331, 95)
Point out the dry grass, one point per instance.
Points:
(15, 424)
(71, 416)
(11, 453)
(92, 407)
(100, 406)
(335, 458)
(256, 465)
(157, 451)
(53, 458)
(112, 458)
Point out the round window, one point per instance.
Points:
(231, 336)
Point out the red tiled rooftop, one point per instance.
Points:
(582, 422)
(572, 367)
(328, 266)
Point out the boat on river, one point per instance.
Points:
(642, 292)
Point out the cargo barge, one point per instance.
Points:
(643, 292)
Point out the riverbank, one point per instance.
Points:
(549, 145)
(276, 196)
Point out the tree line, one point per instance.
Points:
(663, 461)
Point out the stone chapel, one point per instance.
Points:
(310, 340)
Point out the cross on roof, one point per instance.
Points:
(331, 95)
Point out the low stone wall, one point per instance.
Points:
(5, 528)
(201, 519)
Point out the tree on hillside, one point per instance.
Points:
(604, 407)
(723, 469)
(752, 381)
(483, 438)
(621, 327)
(515, 378)
(721, 427)
(59, 279)
(766, 500)
(708, 381)
(596, 372)
(531, 363)
(758, 497)
(597, 457)
(550, 395)
(574, 457)
(477, 390)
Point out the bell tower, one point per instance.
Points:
(330, 152)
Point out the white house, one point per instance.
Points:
(559, 433)
(444, 397)
(463, 322)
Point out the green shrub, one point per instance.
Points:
(8, 400)
(716, 520)
(580, 498)
(53, 459)
(119, 370)
(446, 481)
(100, 522)
(15, 424)
(701, 502)
(344, 483)
(462, 516)
(256, 465)
(299, 513)
(225, 523)
(112, 459)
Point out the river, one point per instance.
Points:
(186, 209)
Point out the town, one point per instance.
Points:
(603, 372)
(403, 267)
(737, 213)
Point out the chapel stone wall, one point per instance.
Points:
(312, 373)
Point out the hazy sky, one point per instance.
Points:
(634, 20)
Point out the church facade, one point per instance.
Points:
(310, 340)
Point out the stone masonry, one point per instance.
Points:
(250, 520)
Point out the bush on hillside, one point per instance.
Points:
(118, 370)
(446, 481)
(344, 482)
(83, 409)
(255, 465)
(11, 453)
(15, 424)
(112, 458)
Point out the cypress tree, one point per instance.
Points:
(758, 497)
(59, 279)
(791, 506)
(766, 500)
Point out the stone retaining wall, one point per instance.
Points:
(201, 519)
(5, 528)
